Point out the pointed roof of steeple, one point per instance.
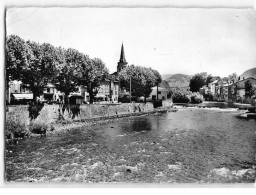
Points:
(122, 56)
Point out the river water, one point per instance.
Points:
(192, 145)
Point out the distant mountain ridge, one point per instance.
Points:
(180, 81)
(166, 76)
(249, 73)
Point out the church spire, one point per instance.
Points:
(122, 56)
(122, 62)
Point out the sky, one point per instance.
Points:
(171, 40)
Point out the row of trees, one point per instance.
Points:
(36, 65)
(142, 80)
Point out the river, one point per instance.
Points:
(193, 145)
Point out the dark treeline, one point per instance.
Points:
(36, 65)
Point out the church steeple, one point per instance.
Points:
(122, 61)
(122, 56)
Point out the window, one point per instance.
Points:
(159, 92)
(48, 90)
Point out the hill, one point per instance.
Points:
(166, 76)
(249, 73)
(179, 81)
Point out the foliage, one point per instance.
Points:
(142, 80)
(31, 63)
(15, 127)
(34, 110)
(196, 98)
(208, 97)
(232, 77)
(209, 79)
(42, 67)
(92, 72)
(169, 94)
(17, 55)
(180, 97)
(38, 127)
(36, 65)
(249, 91)
(66, 79)
(197, 81)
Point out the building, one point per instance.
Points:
(18, 93)
(50, 94)
(109, 89)
(162, 94)
(239, 89)
(212, 87)
(222, 91)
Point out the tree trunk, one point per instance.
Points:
(35, 94)
(91, 96)
(145, 99)
(157, 91)
(66, 99)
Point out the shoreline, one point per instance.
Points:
(224, 105)
(220, 105)
(66, 126)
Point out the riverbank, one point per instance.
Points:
(52, 119)
(250, 114)
(61, 127)
(208, 104)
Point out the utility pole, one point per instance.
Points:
(130, 89)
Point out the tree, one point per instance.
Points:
(42, 67)
(232, 77)
(197, 81)
(142, 80)
(209, 79)
(92, 72)
(17, 56)
(66, 79)
(158, 80)
(249, 91)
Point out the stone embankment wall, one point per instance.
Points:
(50, 114)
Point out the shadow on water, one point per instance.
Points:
(141, 125)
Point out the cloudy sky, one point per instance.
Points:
(171, 40)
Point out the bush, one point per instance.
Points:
(180, 97)
(38, 127)
(208, 97)
(196, 98)
(15, 128)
